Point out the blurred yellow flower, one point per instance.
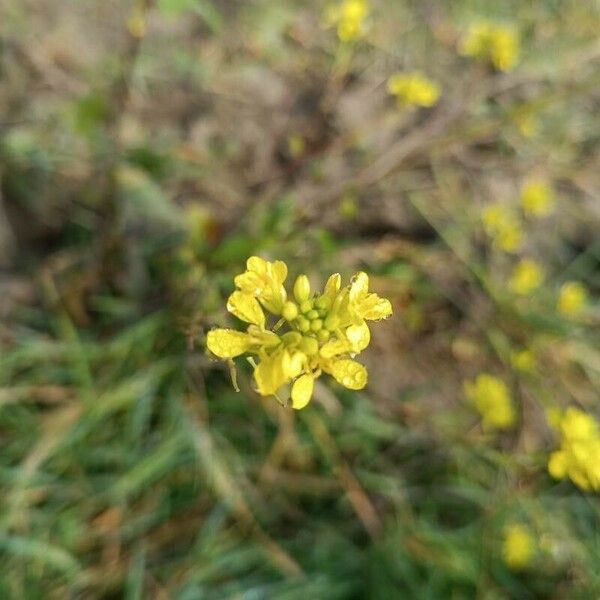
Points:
(537, 199)
(503, 227)
(526, 277)
(491, 398)
(523, 360)
(497, 43)
(322, 332)
(572, 298)
(579, 452)
(350, 19)
(519, 547)
(413, 89)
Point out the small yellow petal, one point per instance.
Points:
(359, 336)
(227, 343)
(257, 264)
(374, 308)
(334, 348)
(302, 391)
(270, 374)
(280, 271)
(349, 373)
(359, 287)
(246, 307)
(333, 285)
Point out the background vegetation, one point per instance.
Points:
(146, 150)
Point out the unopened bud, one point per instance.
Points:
(301, 288)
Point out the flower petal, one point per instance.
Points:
(359, 287)
(246, 307)
(280, 271)
(274, 371)
(257, 264)
(359, 336)
(227, 343)
(349, 373)
(332, 287)
(302, 391)
(374, 308)
(334, 348)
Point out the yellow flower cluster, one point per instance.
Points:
(572, 298)
(503, 227)
(537, 199)
(350, 19)
(413, 89)
(519, 547)
(496, 43)
(578, 457)
(321, 332)
(491, 398)
(526, 277)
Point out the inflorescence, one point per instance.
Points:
(314, 332)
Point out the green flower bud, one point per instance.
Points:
(316, 325)
(312, 314)
(323, 335)
(323, 303)
(306, 306)
(289, 311)
(303, 324)
(301, 288)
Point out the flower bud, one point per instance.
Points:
(301, 288)
(289, 311)
(323, 335)
(303, 324)
(316, 325)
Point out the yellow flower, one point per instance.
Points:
(503, 227)
(577, 457)
(519, 547)
(349, 17)
(491, 398)
(523, 360)
(537, 199)
(264, 280)
(413, 89)
(315, 333)
(572, 298)
(526, 277)
(495, 43)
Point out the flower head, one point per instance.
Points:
(577, 456)
(537, 199)
(495, 43)
(523, 360)
(526, 277)
(413, 89)
(314, 334)
(503, 227)
(491, 398)
(572, 298)
(350, 19)
(519, 546)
